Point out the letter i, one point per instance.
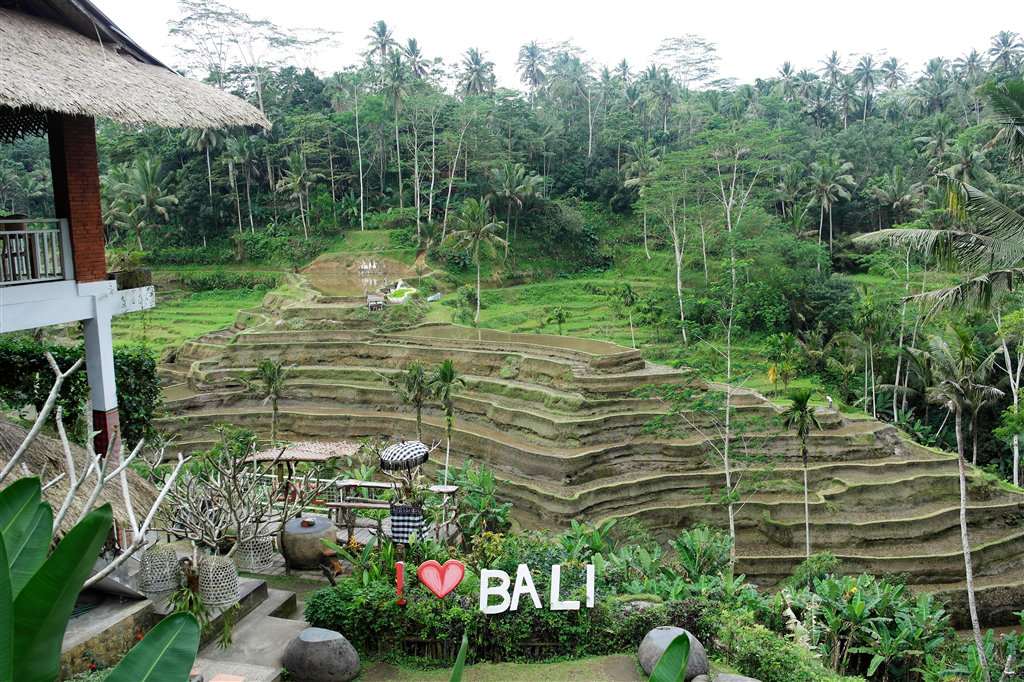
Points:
(400, 577)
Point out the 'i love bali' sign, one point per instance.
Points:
(441, 580)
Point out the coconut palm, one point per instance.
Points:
(958, 363)
(832, 68)
(645, 161)
(628, 298)
(297, 180)
(413, 389)
(1006, 49)
(417, 64)
(846, 93)
(790, 185)
(269, 384)
(381, 39)
(865, 72)
(969, 164)
(532, 61)
(986, 240)
(800, 417)
(898, 194)
(894, 73)
(444, 382)
(243, 153)
(205, 139)
(828, 181)
(939, 139)
(397, 84)
(148, 191)
(477, 73)
(473, 229)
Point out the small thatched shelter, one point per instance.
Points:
(48, 453)
(307, 451)
(50, 63)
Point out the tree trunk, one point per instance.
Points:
(273, 423)
(821, 228)
(476, 320)
(398, 161)
(968, 569)
(631, 336)
(645, 237)
(807, 506)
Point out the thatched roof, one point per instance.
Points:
(50, 66)
(49, 453)
(308, 451)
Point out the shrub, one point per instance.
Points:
(212, 281)
(26, 379)
(760, 653)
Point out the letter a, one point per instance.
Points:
(501, 589)
(524, 584)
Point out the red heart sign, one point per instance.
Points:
(441, 580)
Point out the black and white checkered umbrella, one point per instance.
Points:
(405, 454)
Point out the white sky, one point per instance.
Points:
(753, 37)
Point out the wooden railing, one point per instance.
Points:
(40, 254)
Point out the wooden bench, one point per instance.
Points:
(349, 502)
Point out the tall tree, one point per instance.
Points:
(445, 382)
(828, 181)
(413, 388)
(800, 417)
(474, 229)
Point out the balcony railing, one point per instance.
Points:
(34, 250)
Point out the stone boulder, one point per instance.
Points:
(319, 655)
(658, 639)
(729, 677)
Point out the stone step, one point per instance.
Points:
(210, 668)
(252, 593)
(259, 640)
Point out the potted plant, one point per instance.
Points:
(407, 520)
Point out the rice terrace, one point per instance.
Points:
(405, 349)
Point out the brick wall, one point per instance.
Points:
(76, 191)
(108, 426)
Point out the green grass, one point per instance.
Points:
(619, 668)
(179, 317)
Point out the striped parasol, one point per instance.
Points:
(405, 454)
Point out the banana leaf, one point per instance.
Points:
(165, 654)
(6, 618)
(44, 605)
(671, 666)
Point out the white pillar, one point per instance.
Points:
(99, 362)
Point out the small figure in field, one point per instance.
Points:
(829, 399)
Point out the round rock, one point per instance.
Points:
(658, 639)
(729, 677)
(319, 655)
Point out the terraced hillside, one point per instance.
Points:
(557, 420)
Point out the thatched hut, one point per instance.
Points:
(46, 457)
(63, 64)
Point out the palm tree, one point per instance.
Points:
(969, 164)
(895, 192)
(939, 139)
(846, 92)
(444, 383)
(472, 230)
(627, 297)
(832, 68)
(1006, 49)
(269, 384)
(865, 72)
(958, 366)
(986, 241)
(381, 38)
(532, 61)
(894, 73)
(397, 85)
(477, 73)
(800, 417)
(645, 161)
(559, 316)
(243, 153)
(148, 190)
(297, 180)
(790, 185)
(204, 139)
(414, 59)
(828, 181)
(412, 387)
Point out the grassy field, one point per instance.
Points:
(599, 669)
(180, 316)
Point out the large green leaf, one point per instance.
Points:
(29, 554)
(18, 504)
(460, 662)
(165, 654)
(6, 618)
(43, 608)
(671, 666)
